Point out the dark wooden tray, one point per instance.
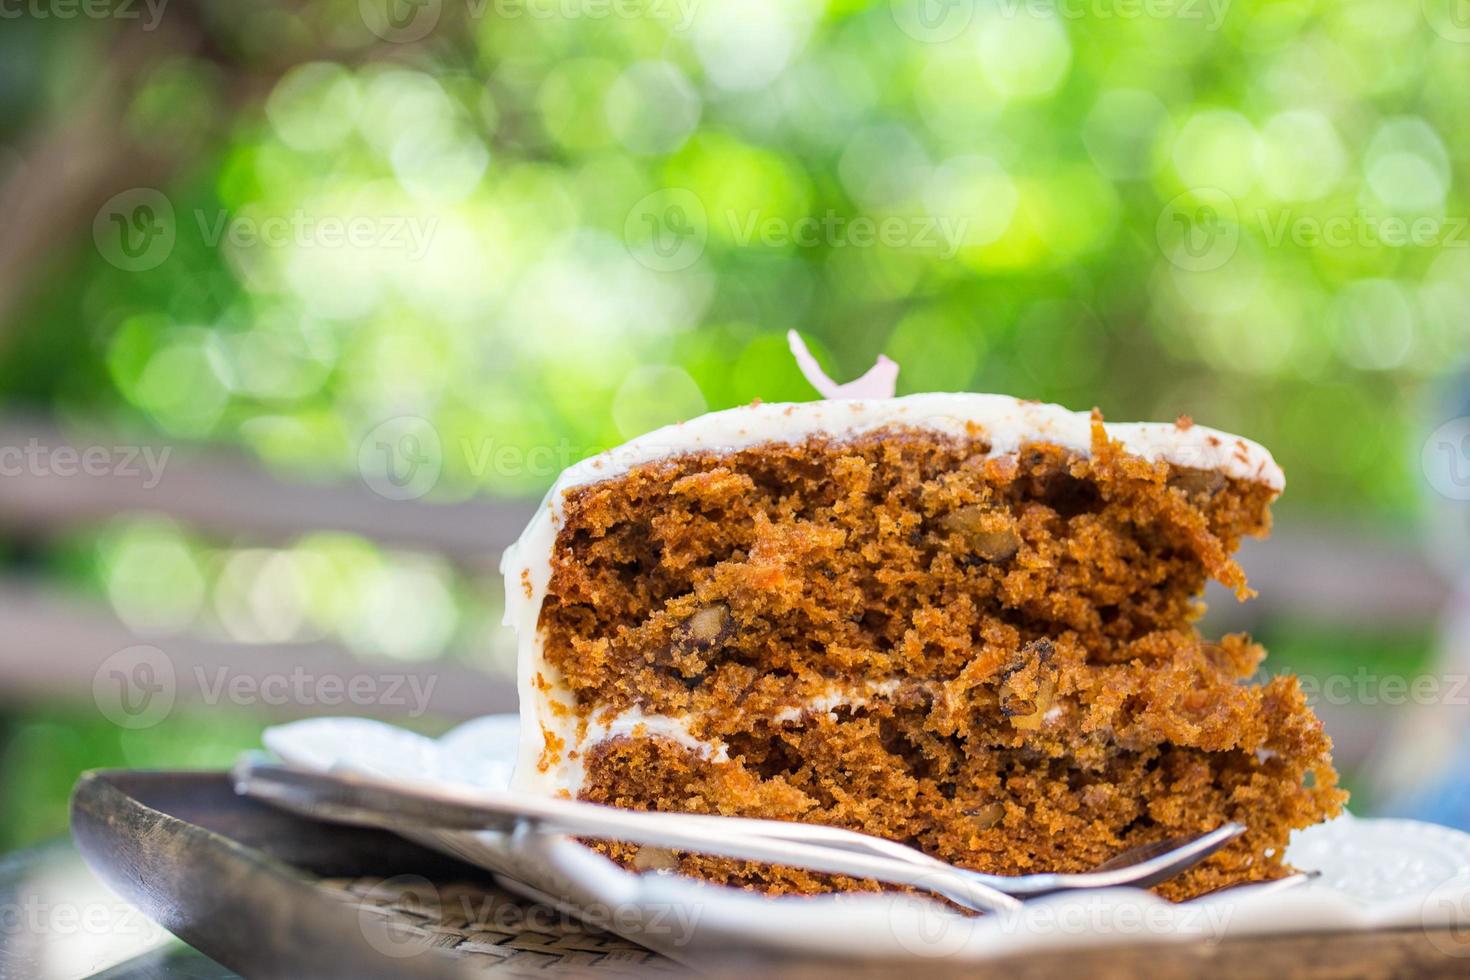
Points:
(268, 894)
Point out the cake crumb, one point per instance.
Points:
(551, 752)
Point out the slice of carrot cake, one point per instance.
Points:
(960, 621)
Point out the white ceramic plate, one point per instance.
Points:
(1375, 874)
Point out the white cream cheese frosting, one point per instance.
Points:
(548, 707)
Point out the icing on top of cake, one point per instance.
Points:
(1004, 422)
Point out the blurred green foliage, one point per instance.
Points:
(1053, 140)
(43, 751)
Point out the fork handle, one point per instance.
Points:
(955, 884)
(369, 801)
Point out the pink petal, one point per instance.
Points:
(880, 381)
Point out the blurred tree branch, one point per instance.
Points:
(74, 161)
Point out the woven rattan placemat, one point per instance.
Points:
(490, 930)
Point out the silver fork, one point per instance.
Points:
(362, 799)
(1138, 867)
